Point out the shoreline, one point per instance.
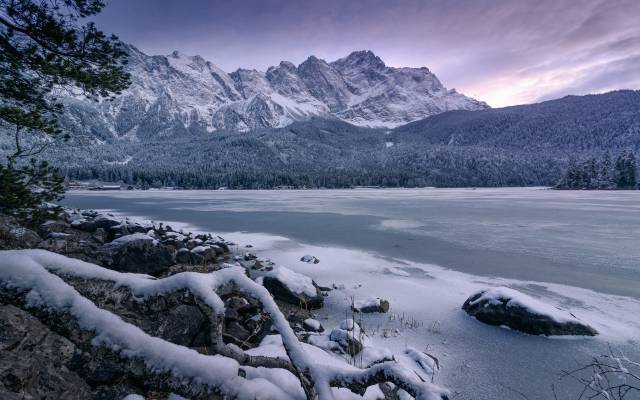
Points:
(446, 330)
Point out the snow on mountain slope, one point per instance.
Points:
(180, 94)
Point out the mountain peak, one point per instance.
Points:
(312, 60)
(361, 59)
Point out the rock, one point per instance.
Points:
(283, 290)
(183, 256)
(349, 336)
(245, 324)
(50, 228)
(125, 228)
(248, 256)
(504, 306)
(224, 246)
(137, 253)
(208, 254)
(100, 235)
(105, 222)
(185, 325)
(176, 316)
(310, 259)
(13, 235)
(36, 363)
(84, 225)
(372, 305)
(312, 325)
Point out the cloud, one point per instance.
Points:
(503, 52)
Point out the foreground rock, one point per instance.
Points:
(502, 306)
(350, 336)
(15, 236)
(293, 288)
(139, 253)
(371, 305)
(35, 362)
(75, 330)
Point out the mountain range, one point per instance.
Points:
(177, 94)
(351, 122)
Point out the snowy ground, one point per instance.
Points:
(478, 361)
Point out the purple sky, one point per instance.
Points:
(502, 52)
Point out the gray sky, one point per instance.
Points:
(502, 52)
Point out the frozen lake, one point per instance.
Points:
(579, 238)
(427, 250)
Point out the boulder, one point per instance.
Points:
(312, 325)
(36, 363)
(208, 254)
(106, 222)
(372, 305)
(248, 256)
(13, 235)
(245, 323)
(293, 288)
(137, 253)
(310, 259)
(502, 306)
(50, 228)
(349, 336)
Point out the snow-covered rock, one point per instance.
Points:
(350, 336)
(371, 305)
(312, 325)
(503, 306)
(293, 288)
(177, 93)
(308, 258)
(138, 253)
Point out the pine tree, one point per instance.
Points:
(43, 50)
(625, 170)
(632, 168)
(590, 174)
(605, 179)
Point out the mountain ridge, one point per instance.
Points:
(176, 94)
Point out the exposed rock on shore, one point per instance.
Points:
(74, 330)
(503, 306)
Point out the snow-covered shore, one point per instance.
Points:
(425, 314)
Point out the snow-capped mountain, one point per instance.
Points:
(179, 93)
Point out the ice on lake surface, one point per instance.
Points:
(426, 250)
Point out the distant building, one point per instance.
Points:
(108, 187)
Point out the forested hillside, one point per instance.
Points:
(514, 146)
(609, 121)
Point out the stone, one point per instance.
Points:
(312, 325)
(310, 259)
(13, 235)
(501, 311)
(349, 336)
(281, 292)
(35, 363)
(372, 305)
(137, 253)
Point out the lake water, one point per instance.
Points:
(579, 238)
(427, 250)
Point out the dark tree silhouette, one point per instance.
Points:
(44, 51)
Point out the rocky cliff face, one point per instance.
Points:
(180, 94)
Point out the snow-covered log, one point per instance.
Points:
(34, 280)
